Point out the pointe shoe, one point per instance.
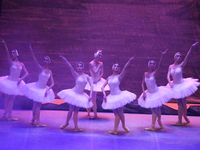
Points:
(161, 125)
(78, 130)
(32, 121)
(40, 125)
(177, 124)
(12, 119)
(150, 129)
(64, 126)
(112, 132)
(126, 129)
(93, 118)
(186, 119)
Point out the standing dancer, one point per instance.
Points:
(76, 97)
(182, 87)
(12, 85)
(96, 72)
(117, 98)
(154, 96)
(38, 91)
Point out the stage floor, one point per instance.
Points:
(21, 135)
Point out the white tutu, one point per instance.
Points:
(185, 89)
(10, 87)
(119, 100)
(77, 99)
(153, 100)
(38, 94)
(97, 86)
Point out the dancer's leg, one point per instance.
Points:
(158, 112)
(185, 110)
(75, 117)
(37, 112)
(117, 120)
(34, 112)
(122, 118)
(10, 107)
(94, 107)
(6, 105)
(154, 117)
(69, 115)
(88, 111)
(180, 112)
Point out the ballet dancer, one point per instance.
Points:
(12, 85)
(38, 91)
(182, 87)
(117, 98)
(76, 97)
(96, 72)
(154, 96)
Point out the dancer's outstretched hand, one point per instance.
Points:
(61, 56)
(165, 52)
(195, 44)
(19, 81)
(2, 40)
(132, 58)
(46, 93)
(144, 95)
(105, 98)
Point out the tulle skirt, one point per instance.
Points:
(37, 94)
(119, 100)
(153, 100)
(10, 87)
(77, 99)
(185, 89)
(97, 86)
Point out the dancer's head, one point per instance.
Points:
(98, 54)
(14, 53)
(46, 60)
(79, 66)
(177, 57)
(116, 67)
(152, 64)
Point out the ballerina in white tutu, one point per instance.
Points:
(154, 96)
(182, 87)
(76, 97)
(12, 85)
(38, 91)
(96, 72)
(117, 98)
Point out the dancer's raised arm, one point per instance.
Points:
(70, 67)
(35, 60)
(7, 52)
(122, 74)
(188, 53)
(160, 62)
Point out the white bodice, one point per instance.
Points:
(43, 79)
(81, 82)
(15, 72)
(114, 83)
(177, 75)
(151, 84)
